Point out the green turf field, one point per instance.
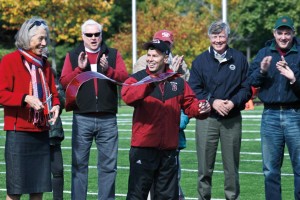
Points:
(251, 177)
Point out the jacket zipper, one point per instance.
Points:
(162, 90)
(96, 103)
(96, 81)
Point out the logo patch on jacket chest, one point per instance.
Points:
(232, 67)
(174, 86)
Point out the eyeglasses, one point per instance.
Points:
(37, 23)
(92, 34)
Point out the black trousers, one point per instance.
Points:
(153, 166)
(57, 171)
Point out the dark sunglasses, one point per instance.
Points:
(36, 23)
(92, 34)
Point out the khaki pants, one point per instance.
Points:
(208, 134)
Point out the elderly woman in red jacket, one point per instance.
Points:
(31, 104)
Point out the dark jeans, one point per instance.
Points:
(103, 129)
(280, 128)
(57, 171)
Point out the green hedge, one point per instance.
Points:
(4, 51)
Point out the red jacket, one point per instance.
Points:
(157, 108)
(14, 86)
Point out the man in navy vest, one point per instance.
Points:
(95, 115)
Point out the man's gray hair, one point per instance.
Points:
(217, 27)
(90, 22)
(28, 30)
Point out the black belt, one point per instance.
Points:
(96, 114)
(282, 106)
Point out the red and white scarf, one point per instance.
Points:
(38, 87)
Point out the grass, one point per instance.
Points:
(251, 177)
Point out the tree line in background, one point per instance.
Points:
(251, 23)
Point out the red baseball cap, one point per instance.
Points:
(164, 35)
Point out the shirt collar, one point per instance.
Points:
(91, 51)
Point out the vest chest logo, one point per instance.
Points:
(232, 67)
(173, 86)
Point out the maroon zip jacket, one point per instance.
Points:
(157, 108)
(14, 86)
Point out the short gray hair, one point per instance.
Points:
(217, 27)
(90, 22)
(28, 30)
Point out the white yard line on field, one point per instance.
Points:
(117, 195)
